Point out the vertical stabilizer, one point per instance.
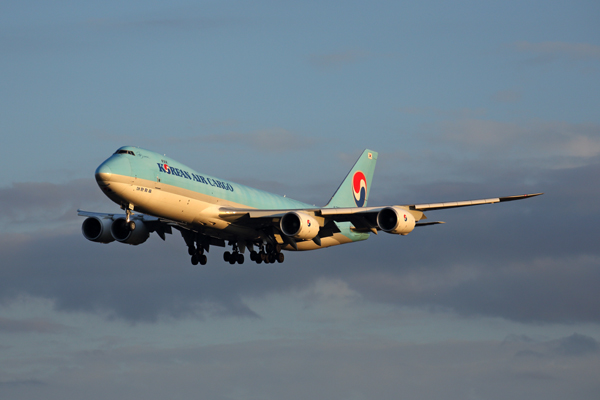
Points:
(354, 190)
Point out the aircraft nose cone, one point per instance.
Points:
(103, 174)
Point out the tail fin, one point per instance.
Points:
(354, 190)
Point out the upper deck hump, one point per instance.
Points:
(149, 165)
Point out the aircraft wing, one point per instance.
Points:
(113, 216)
(438, 206)
(364, 219)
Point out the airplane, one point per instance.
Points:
(159, 194)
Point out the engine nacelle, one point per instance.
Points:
(396, 220)
(97, 229)
(299, 225)
(122, 232)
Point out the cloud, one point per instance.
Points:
(533, 261)
(22, 383)
(38, 325)
(30, 206)
(330, 366)
(576, 345)
(545, 52)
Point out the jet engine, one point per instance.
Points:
(122, 231)
(299, 225)
(396, 220)
(97, 229)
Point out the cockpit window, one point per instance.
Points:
(125, 152)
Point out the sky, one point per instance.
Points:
(462, 100)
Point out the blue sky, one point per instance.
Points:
(461, 100)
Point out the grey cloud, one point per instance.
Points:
(529, 353)
(38, 325)
(122, 281)
(32, 201)
(576, 345)
(21, 383)
(534, 260)
(331, 367)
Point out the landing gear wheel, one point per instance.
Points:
(191, 251)
(240, 259)
(233, 258)
(253, 255)
(271, 258)
(194, 259)
(226, 256)
(202, 259)
(280, 257)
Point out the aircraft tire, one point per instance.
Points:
(253, 255)
(280, 257)
(194, 259)
(191, 251)
(226, 256)
(233, 258)
(202, 259)
(240, 259)
(258, 260)
(272, 258)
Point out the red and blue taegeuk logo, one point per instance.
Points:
(359, 188)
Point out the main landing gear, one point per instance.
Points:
(270, 256)
(198, 256)
(234, 257)
(269, 252)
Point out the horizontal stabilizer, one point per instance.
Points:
(430, 223)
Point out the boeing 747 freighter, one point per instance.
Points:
(158, 194)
